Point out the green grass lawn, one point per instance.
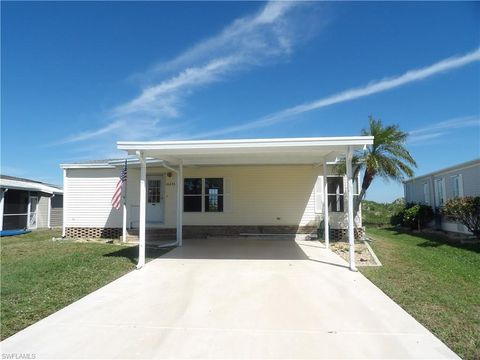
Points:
(436, 281)
(40, 276)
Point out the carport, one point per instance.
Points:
(175, 155)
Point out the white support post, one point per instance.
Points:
(29, 209)
(325, 205)
(143, 198)
(180, 205)
(2, 197)
(65, 202)
(49, 212)
(351, 222)
(124, 223)
(124, 220)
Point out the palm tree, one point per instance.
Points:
(387, 158)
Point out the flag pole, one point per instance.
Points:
(124, 228)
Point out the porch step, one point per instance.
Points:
(151, 235)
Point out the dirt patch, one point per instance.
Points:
(363, 255)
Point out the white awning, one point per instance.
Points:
(248, 151)
(28, 186)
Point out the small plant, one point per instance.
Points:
(466, 211)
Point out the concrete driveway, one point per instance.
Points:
(234, 298)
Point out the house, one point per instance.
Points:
(436, 188)
(217, 187)
(29, 204)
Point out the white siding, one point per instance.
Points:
(89, 198)
(254, 195)
(262, 195)
(56, 216)
(42, 212)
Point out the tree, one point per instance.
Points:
(466, 211)
(387, 158)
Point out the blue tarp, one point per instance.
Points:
(13, 232)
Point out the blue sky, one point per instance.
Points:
(77, 77)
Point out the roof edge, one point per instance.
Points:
(342, 140)
(446, 169)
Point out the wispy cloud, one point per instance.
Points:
(375, 87)
(256, 40)
(442, 128)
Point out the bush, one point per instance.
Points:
(466, 211)
(397, 219)
(417, 216)
(414, 216)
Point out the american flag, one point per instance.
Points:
(117, 195)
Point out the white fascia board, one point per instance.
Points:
(87, 166)
(359, 141)
(20, 185)
(133, 161)
(110, 165)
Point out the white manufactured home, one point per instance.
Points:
(217, 187)
(436, 188)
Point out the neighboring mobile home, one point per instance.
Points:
(29, 204)
(217, 187)
(436, 188)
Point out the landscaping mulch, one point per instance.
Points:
(363, 256)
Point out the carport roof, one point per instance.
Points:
(310, 150)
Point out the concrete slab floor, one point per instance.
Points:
(234, 298)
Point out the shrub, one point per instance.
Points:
(413, 215)
(466, 211)
(397, 218)
(417, 216)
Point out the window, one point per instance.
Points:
(439, 192)
(154, 190)
(457, 186)
(335, 193)
(192, 195)
(356, 190)
(426, 194)
(214, 194)
(210, 189)
(356, 185)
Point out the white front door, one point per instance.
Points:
(32, 212)
(155, 199)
